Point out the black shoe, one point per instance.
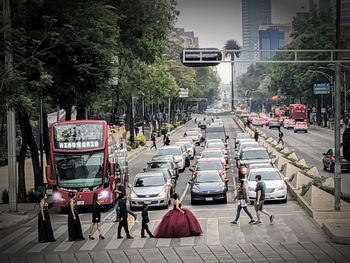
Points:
(257, 222)
(130, 237)
(143, 236)
(91, 237)
(151, 236)
(234, 222)
(120, 237)
(272, 217)
(101, 237)
(251, 221)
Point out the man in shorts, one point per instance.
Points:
(259, 201)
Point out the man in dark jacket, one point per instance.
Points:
(145, 221)
(123, 218)
(120, 189)
(256, 135)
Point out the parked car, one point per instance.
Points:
(276, 188)
(176, 151)
(151, 188)
(301, 126)
(328, 161)
(208, 186)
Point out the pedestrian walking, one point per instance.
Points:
(167, 140)
(243, 202)
(280, 137)
(256, 135)
(260, 199)
(154, 144)
(195, 120)
(45, 233)
(96, 217)
(74, 226)
(145, 221)
(120, 190)
(123, 217)
(185, 135)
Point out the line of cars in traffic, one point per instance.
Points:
(253, 159)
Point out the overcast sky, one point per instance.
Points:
(215, 21)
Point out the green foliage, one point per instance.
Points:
(141, 139)
(5, 196)
(33, 196)
(170, 127)
(128, 148)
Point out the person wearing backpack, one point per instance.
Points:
(260, 199)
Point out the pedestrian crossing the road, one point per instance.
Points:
(216, 231)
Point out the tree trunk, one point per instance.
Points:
(46, 138)
(68, 112)
(22, 192)
(38, 178)
(80, 112)
(2, 129)
(130, 119)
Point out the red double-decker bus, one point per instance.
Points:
(81, 162)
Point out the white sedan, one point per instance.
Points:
(276, 188)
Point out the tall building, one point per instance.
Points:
(345, 13)
(254, 14)
(189, 40)
(273, 37)
(322, 6)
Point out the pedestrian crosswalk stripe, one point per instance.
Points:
(13, 236)
(90, 244)
(66, 244)
(262, 233)
(115, 242)
(213, 229)
(41, 246)
(237, 234)
(285, 231)
(138, 241)
(187, 241)
(163, 242)
(22, 243)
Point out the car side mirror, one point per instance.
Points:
(48, 175)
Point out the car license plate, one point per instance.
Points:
(147, 202)
(80, 202)
(208, 199)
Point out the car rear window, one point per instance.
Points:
(265, 175)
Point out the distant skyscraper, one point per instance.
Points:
(322, 6)
(254, 14)
(345, 13)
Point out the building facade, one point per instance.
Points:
(188, 38)
(254, 14)
(273, 37)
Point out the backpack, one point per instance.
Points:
(264, 187)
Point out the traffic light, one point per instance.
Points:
(346, 144)
(275, 97)
(201, 57)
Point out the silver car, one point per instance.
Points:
(189, 146)
(167, 158)
(195, 136)
(176, 151)
(151, 188)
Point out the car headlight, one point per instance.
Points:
(220, 189)
(251, 188)
(57, 196)
(281, 187)
(162, 194)
(195, 190)
(133, 195)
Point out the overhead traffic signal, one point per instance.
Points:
(201, 57)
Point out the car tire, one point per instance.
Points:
(224, 201)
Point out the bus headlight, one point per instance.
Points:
(57, 196)
(104, 194)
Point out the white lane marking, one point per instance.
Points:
(184, 193)
(90, 244)
(21, 243)
(13, 235)
(66, 244)
(40, 246)
(213, 228)
(187, 241)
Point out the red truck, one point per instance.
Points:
(297, 112)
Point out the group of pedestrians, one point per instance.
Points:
(243, 202)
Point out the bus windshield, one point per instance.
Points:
(79, 169)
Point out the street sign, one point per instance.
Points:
(183, 93)
(323, 110)
(201, 57)
(321, 88)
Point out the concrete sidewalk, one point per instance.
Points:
(246, 252)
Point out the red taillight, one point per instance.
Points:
(333, 158)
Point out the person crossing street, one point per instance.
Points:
(280, 137)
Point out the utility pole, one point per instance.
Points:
(232, 82)
(11, 119)
(169, 109)
(337, 102)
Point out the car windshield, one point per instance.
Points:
(170, 151)
(245, 145)
(255, 154)
(160, 165)
(79, 169)
(243, 136)
(208, 178)
(192, 133)
(209, 154)
(202, 166)
(148, 180)
(215, 135)
(265, 175)
(216, 145)
(263, 165)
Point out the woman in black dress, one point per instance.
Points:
(74, 227)
(44, 223)
(96, 217)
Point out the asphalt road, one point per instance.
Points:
(310, 146)
(292, 224)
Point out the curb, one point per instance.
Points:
(23, 220)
